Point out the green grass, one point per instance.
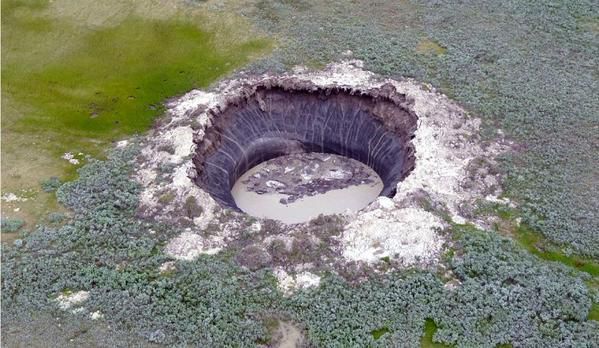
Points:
(535, 243)
(430, 47)
(77, 76)
(427, 339)
(113, 83)
(594, 312)
(378, 333)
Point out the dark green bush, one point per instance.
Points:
(507, 295)
(51, 184)
(505, 290)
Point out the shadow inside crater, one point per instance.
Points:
(281, 117)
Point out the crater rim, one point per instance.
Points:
(277, 117)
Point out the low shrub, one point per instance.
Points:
(9, 225)
(51, 184)
(56, 218)
(509, 296)
(479, 59)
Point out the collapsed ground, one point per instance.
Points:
(525, 67)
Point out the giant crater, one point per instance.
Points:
(280, 117)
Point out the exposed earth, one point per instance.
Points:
(309, 174)
(126, 126)
(300, 187)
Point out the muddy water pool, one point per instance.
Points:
(299, 187)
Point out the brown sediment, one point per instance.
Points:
(282, 116)
(306, 174)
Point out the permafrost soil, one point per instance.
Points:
(451, 168)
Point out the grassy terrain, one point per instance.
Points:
(77, 76)
(71, 73)
(509, 225)
(427, 339)
(526, 67)
(536, 244)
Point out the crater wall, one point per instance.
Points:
(276, 118)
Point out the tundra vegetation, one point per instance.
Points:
(528, 68)
(77, 76)
(106, 251)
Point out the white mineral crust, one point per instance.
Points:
(66, 301)
(288, 284)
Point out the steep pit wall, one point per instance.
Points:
(280, 117)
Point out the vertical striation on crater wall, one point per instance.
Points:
(412, 129)
(280, 117)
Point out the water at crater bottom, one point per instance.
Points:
(349, 184)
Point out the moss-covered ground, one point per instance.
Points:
(528, 68)
(77, 76)
(427, 338)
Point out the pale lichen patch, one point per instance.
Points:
(188, 246)
(72, 299)
(407, 234)
(289, 283)
(97, 315)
